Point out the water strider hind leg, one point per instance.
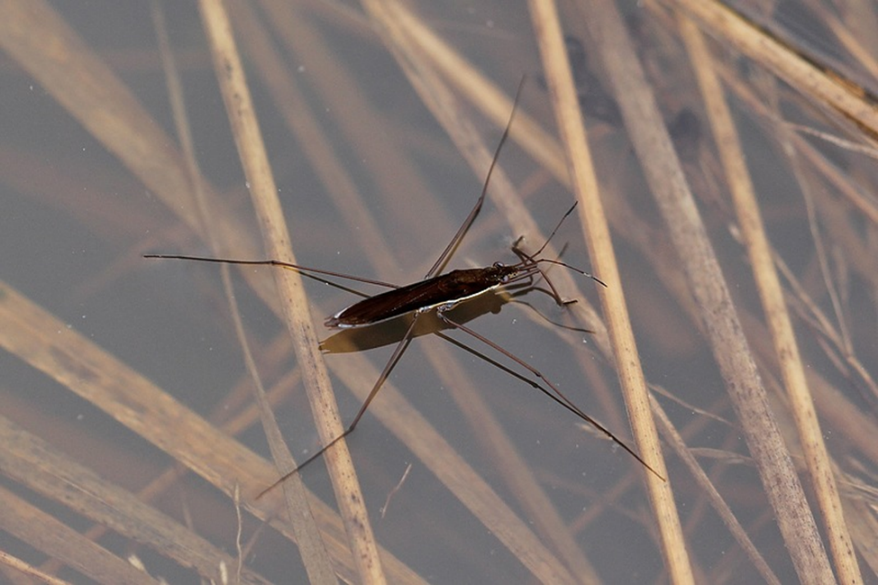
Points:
(398, 351)
(555, 394)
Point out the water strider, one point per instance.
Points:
(438, 293)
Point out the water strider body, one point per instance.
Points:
(441, 292)
(438, 293)
(448, 290)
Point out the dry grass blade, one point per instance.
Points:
(679, 445)
(45, 533)
(705, 278)
(48, 345)
(24, 568)
(563, 92)
(753, 231)
(802, 74)
(37, 464)
(312, 549)
(278, 246)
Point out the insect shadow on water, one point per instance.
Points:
(437, 294)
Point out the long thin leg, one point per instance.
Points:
(497, 364)
(468, 222)
(304, 270)
(531, 272)
(555, 393)
(388, 368)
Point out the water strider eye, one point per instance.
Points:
(498, 265)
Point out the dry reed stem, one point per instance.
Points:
(557, 68)
(301, 122)
(858, 198)
(278, 246)
(312, 550)
(771, 293)
(438, 53)
(232, 427)
(720, 21)
(46, 533)
(682, 450)
(423, 43)
(864, 527)
(730, 348)
(52, 473)
(75, 362)
(461, 74)
(856, 254)
(24, 568)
